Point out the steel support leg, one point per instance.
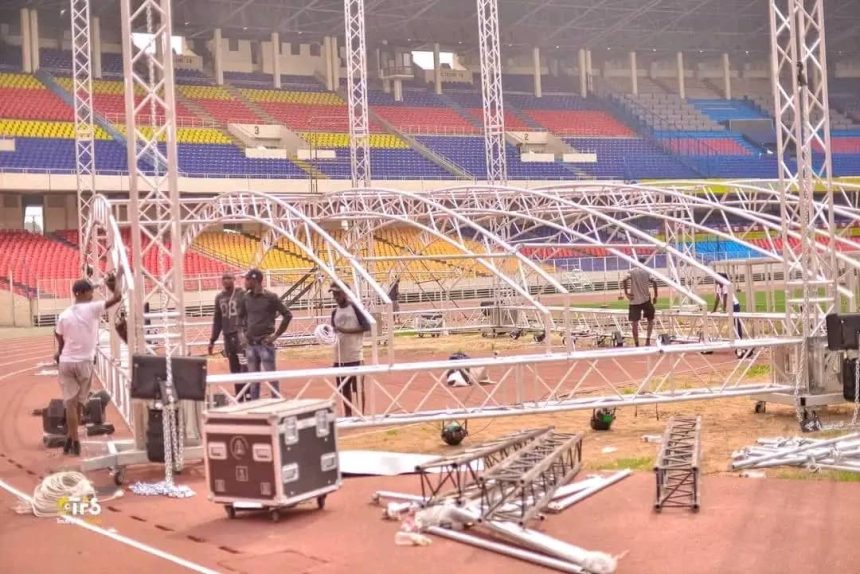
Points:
(356, 87)
(82, 86)
(491, 86)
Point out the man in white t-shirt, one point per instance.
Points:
(721, 300)
(77, 334)
(350, 325)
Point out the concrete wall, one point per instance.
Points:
(11, 212)
(14, 310)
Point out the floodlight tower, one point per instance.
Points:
(802, 113)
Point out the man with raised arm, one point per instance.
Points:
(77, 334)
(349, 325)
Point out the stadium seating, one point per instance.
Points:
(220, 104)
(420, 111)
(37, 263)
(630, 158)
(22, 96)
(705, 143)
(58, 155)
(724, 110)
(468, 153)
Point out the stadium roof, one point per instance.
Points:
(661, 25)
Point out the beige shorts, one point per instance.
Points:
(75, 379)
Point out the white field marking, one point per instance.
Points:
(117, 537)
(12, 374)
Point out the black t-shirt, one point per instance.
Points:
(258, 312)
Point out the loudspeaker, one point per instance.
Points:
(155, 436)
(849, 379)
(54, 418)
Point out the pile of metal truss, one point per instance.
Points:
(519, 487)
(839, 453)
(677, 468)
(498, 487)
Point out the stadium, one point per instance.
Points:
(530, 257)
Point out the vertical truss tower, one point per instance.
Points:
(799, 67)
(154, 210)
(491, 87)
(84, 130)
(356, 87)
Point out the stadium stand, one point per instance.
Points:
(35, 261)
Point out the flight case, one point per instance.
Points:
(271, 454)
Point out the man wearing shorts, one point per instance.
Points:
(350, 325)
(637, 290)
(77, 334)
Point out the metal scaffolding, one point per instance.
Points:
(799, 65)
(460, 473)
(677, 467)
(519, 487)
(82, 86)
(154, 210)
(356, 89)
(803, 129)
(491, 89)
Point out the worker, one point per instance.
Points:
(636, 289)
(226, 321)
(349, 325)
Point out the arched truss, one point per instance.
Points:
(367, 209)
(569, 219)
(289, 222)
(103, 245)
(750, 209)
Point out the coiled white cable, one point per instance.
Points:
(325, 334)
(54, 488)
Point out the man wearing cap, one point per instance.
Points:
(257, 311)
(226, 320)
(77, 335)
(350, 325)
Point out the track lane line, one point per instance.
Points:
(118, 537)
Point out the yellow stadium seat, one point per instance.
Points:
(327, 140)
(204, 92)
(20, 81)
(43, 129)
(288, 97)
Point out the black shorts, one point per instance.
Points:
(636, 312)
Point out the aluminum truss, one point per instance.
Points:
(491, 88)
(799, 64)
(518, 488)
(82, 87)
(403, 393)
(460, 473)
(356, 86)
(372, 208)
(102, 235)
(286, 221)
(154, 209)
(677, 468)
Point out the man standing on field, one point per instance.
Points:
(349, 325)
(77, 334)
(636, 289)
